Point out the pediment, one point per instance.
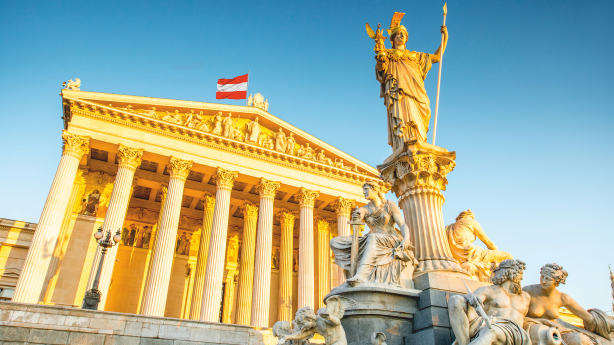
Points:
(245, 127)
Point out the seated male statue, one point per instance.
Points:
(504, 303)
(544, 309)
(477, 261)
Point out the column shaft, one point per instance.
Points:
(305, 249)
(246, 271)
(162, 263)
(343, 207)
(264, 247)
(129, 160)
(203, 252)
(210, 308)
(62, 241)
(323, 260)
(34, 270)
(286, 220)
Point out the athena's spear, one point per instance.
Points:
(445, 11)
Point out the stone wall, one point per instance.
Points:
(40, 324)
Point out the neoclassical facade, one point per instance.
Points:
(225, 212)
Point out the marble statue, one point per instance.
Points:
(131, 235)
(306, 152)
(327, 323)
(217, 124)
(339, 163)
(250, 100)
(401, 73)
(253, 131)
(172, 117)
(378, 37)
(151, 113)
(146, 236)
(275, 259)
(191, 122)
(321, 157)
(72, 85)
(183, 245)
(91, 207)
(228, 123)
(290, 141)
(280, 140)
(493, 314)
(385, 251)
(546, 300)
(202, 125)
(477, 261)
(265, 106)
(258, 101)
(139, 237)
(265, 141)
(125, 233)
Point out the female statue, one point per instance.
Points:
(385, 251)
(401, 73)
(544, 309)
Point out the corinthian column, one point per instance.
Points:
(210, 309)
(264, 247)
(323, 235)
(78, 188)
(418, 175)
(203, 252)
(231, 268)
(129, 160)
(246, 271)
(33, 273)
(162, 263)
(306, 199)
(286, 221)
(343, 207)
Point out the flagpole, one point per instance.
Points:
(247, 90)
(445, 11)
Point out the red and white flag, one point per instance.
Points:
(235, 88)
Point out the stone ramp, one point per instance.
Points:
(41, 324)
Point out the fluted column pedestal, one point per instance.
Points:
(210, 308)
(286, 221)
(63, 238)
(323, 236)
(246, 271)
(203, 252)
(154, 303)
(264, 247)
(418, 175)
(306, 200)
(343, 208)
(34, 270)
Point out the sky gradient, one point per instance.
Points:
(526, 99)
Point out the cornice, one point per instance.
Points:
(200, 137)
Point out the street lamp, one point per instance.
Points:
(92, 297)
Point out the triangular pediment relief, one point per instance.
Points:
(247, 128)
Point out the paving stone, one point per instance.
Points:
(79, 338)
(9, 333)
(44, 336)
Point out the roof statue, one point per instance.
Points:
(258, 101)
(72, 85)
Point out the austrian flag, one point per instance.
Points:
(235, 88)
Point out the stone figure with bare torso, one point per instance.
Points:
(505, 305)
(478, 261)
(546, 300)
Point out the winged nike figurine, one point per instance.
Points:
(327, 323)
(378, 37)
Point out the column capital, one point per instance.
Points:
(286, 217)
(343, 206)
(268, 188)
(75, 145)
(307, 198)
(249, 210)
(129, 157)
(321, 224)
(208, 201)
(179, 168)
(225, 179)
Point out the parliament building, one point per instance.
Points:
(225, 213)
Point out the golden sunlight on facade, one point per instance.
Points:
(225, 213)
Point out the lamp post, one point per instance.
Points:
(92, 297)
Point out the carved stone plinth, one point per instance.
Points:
(387, 310)
(417, 173)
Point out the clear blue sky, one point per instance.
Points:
(526, 99)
